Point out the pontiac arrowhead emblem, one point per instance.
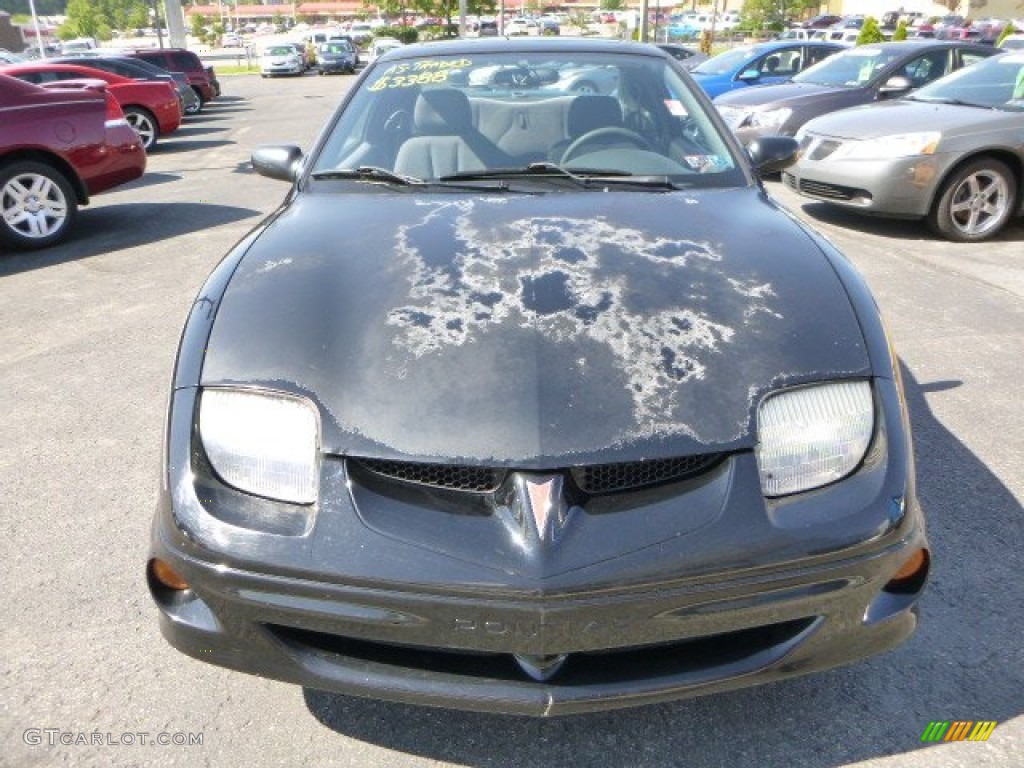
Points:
(545, 501)
(541, 668)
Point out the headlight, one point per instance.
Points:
(890, 147)
(813, 436)
(770, 120)
(266, 444)
(734, 117)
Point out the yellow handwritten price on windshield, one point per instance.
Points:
(408, 81)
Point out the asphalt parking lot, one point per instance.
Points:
(88, 332)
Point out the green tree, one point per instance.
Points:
(403, 34)
(901, 31)
(612, 5)
(215, 34)
(392, 9)
(761, 14)
(84, 19)
(870, 33)
(199, 24)
(449, 9)
(124, 14)
(97, 18)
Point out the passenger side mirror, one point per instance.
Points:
(895, 86)
(770, 154)
(277, 161)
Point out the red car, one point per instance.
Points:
(151, 108)
(58, 146)
(202, 78)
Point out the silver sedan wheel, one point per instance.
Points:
(34, 206)
(979, 202)
(975, 202)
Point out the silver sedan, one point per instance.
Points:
(952, 153)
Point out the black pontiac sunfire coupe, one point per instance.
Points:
(577, 419)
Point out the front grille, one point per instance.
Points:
(453, 477)
(595, 480)
(758, 646)
(613, 478)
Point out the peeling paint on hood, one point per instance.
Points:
(542, 330)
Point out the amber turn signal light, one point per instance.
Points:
(167, 576)
(917, 561)
(911, 575)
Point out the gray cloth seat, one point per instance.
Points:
(445, 141)
(588, 113)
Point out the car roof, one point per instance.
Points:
(917, 43)
(525, 45)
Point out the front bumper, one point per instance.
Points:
(904, 187)
(281, 69)
(337, 66)
(712, 589)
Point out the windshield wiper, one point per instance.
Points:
(533, 169)
(948, 100)
(376, 173)
(582, 177)
(370, 173)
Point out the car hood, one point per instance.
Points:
(781, 95)
(541, 331)
(888, 118)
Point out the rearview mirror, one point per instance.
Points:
(277, 161)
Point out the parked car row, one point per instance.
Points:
(327, 53)
(75, 126)
(929, 129)
(951, 153)
(918, 25)
(59, 145)
(153, 99)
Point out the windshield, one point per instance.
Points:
(336, 46)
(427, 118)
(850, 69)
(997, 83)
(726, 63)
(279, 50)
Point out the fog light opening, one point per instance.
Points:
(912, 574)
(165, 576)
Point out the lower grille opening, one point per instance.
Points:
(593, 480)
(585, 668)
(828, 191)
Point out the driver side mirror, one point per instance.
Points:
(748, 75)
(770, 154)
(895, 86)
(277, 161)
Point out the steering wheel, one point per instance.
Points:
(609, 135)
(399, 123)
(524, 78)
